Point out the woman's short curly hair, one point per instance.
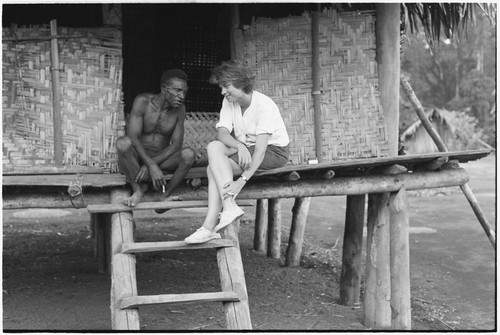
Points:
(235, 73)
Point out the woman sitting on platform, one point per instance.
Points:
(260, 142)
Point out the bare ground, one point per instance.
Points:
(50, 278)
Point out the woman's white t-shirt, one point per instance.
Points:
(261, 117)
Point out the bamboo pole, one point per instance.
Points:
(316, 89)
(299, 220)
(260, 232)
(350, 278)
(399, 255)
(274, 229)
(56, 95)
(466, 190)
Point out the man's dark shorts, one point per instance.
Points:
(275, 157)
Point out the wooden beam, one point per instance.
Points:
(27, 197)
(350, 277)
(143, 300)
(115, 208)
(138, 247)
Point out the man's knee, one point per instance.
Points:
(123, 144)
(188, 156)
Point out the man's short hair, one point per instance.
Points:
(171, 74)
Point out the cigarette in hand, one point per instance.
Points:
(163, 188)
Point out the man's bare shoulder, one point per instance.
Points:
(144, 97)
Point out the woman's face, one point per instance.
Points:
(231, 93)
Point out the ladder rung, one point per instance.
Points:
(137, 247)
(115, 208)
(136, 301)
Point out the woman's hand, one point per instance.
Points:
(232, 189)
(244, 157)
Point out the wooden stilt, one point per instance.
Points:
(123, 277)
(351, 252)
(232, 278)
(299, 219)
(274, 229)
(400, 261)
(377, 298)
(100, 241)
(260, 232)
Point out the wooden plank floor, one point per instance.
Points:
(355, 166)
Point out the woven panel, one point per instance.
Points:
(352, 121)
(199, 130)
(90, 69)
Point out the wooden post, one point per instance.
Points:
(316, 89)
(274, 229)
(442, 147)
(388, 60)
(400, 265)
(102, 236)
(299, 219)
(377, 307)
(236, 35)
(260, 232)
(350, 277)
(56, 96)
(123, 276)
(232, 278)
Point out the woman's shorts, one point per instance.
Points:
(275, 157)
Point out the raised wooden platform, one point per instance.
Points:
(353, 167)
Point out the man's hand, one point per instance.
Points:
(157, 178)
(244, 157)
(142, 175)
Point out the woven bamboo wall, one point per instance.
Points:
(90, 67)
(280, 52)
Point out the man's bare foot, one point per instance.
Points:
(133, 200)
(169, 198)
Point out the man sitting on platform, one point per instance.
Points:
(153, 144)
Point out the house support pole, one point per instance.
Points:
(260, 232)
(350, 277)
(297, 229)
(377, 301)
(400, 266)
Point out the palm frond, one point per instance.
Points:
(449, 18)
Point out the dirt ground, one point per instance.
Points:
(50, 278)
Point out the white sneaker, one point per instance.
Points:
(228, 216)
(202, 235)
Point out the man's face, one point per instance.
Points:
(175, 92)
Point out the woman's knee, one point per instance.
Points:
(123, 144)
(215, 147)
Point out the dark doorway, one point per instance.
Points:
(158, 37)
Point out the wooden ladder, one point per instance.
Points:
(125, 300)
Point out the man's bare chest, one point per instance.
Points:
(161, 122)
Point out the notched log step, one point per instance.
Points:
(136, 301)
(140, 247)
